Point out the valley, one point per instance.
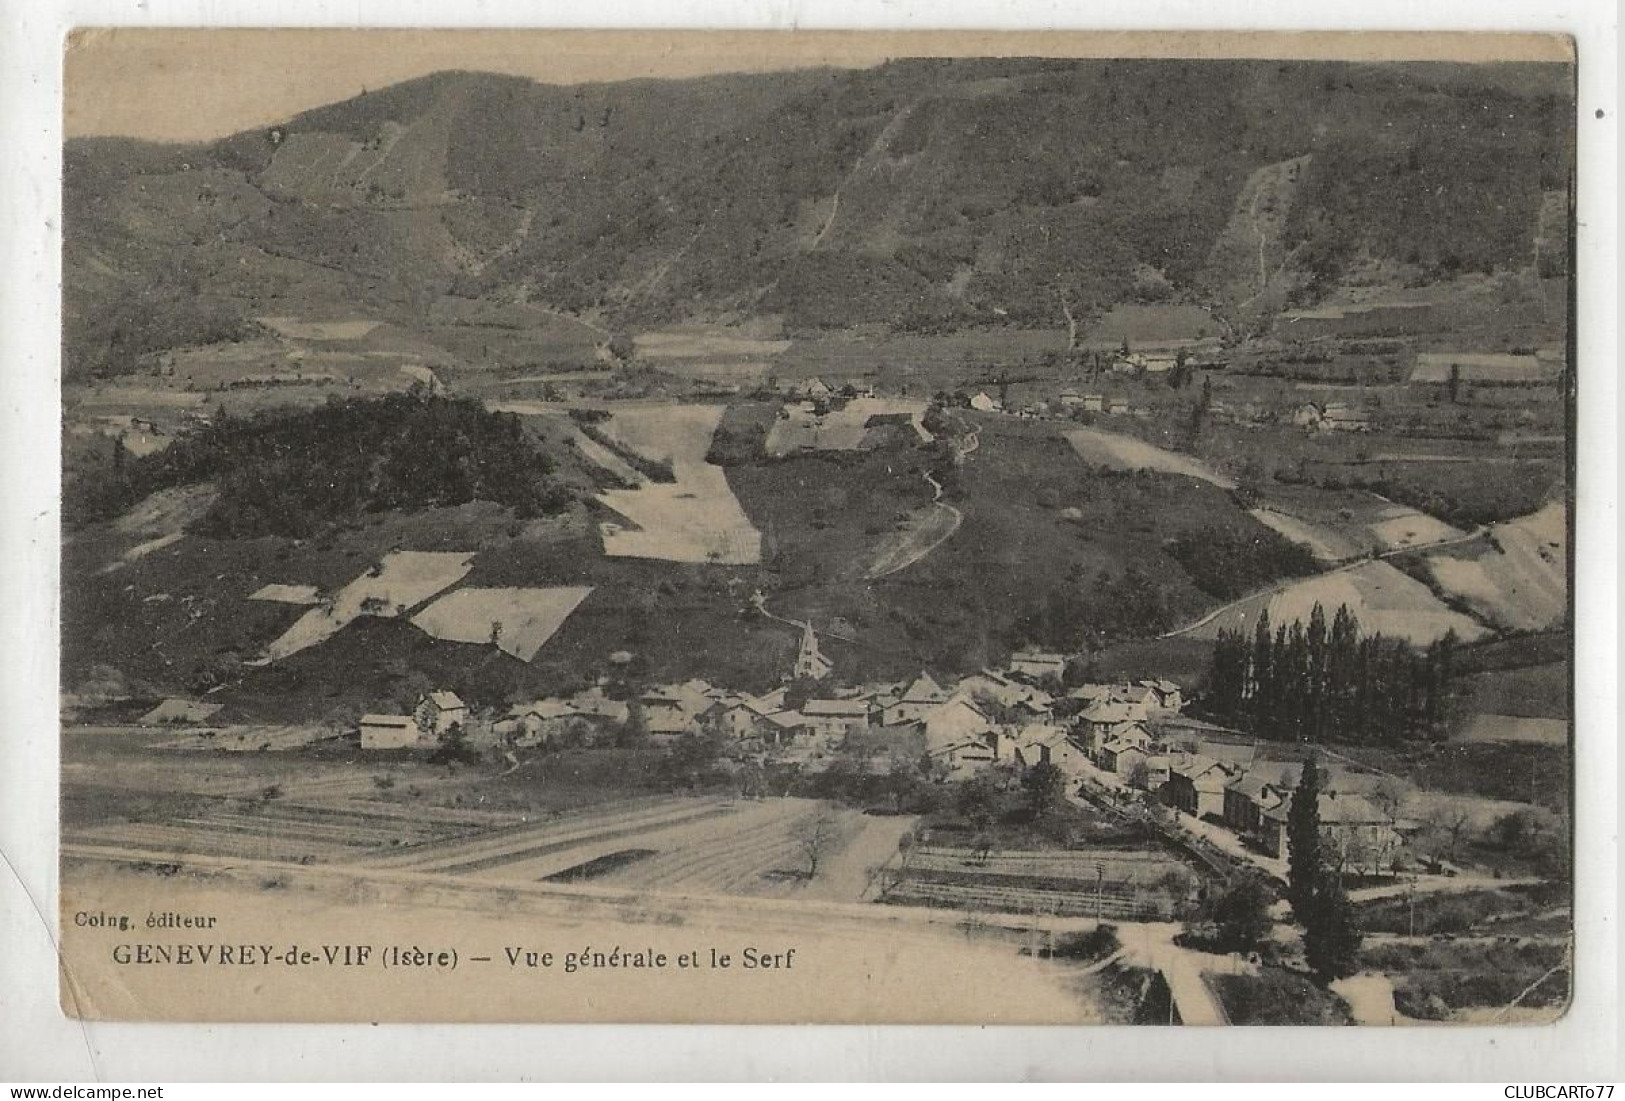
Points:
(839, 503)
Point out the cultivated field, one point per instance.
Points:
(1119, 452)
(1385, 600)
(696, 518)
(402, 580)
(518, 620)
(1520, 582)
(1136, 884)
(169, 799)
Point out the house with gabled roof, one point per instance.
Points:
(1040, 743)
(785, 728)
(671, 709)
(922, 696)
(1356, 835)
(438, 712)
(969, 753)
(1166, 695)
(1110, 753)
(1196, 785)
(953, 720)
(835, 718)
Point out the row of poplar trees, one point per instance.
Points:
(1319, 683)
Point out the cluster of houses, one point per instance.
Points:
(1230, 785)
(1015, 717)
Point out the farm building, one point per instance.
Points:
(980, 402)
(438, 712)
(1037, 665)
(1340, 416)
(1485, 368)
(1333, 416)
(179, 711)
(389, 732)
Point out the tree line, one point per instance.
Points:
(1320, 682)
(288, 472)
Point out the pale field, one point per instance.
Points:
(1524, 584)
(287, 594)
(704, 344)
(697, 518)
(299, 328)
(134, 397)
(405, 579)
(1326, 544)
(604, 458)
(1385, 600)
(528, 617)
(1401, 527)
(1119, 452)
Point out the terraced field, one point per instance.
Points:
(307, 833)
(1080, 883)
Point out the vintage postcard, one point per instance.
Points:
(817, 527)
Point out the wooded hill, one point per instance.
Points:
(920, 194)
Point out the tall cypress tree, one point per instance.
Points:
(1304, 870)
(1331, 937)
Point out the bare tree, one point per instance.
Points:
(886, 878)
(1451, 818)
(817, 837)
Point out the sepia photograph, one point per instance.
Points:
(829, 527)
